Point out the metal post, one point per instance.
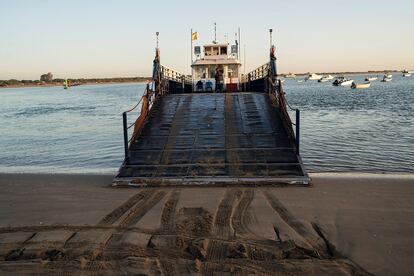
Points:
(125, 124)
(297, 130)
(271, 42)
(191, 65)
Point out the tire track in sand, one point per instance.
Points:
(217, 250)
(168, 223)
(222, 225)
(240, 217)
(141, 208)
(117, 213)
(296, 225)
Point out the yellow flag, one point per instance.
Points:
(194, 36)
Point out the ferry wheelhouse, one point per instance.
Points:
(212, 60)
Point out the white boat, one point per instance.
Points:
(326, 78)
(370, 78)
(314, 77)
(342, 81)
(290, 76)
(361, 85)
(300, 80)
(406, 74)
(387, 78)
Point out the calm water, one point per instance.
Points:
(80, 130)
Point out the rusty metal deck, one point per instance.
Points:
(205, 138)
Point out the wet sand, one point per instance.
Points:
(343, 224)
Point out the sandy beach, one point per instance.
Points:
(343, 224)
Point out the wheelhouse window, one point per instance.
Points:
(223, 50)
(207, 51)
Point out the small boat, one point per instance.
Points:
(290, 76)
(407, 74)
(387, 78)
(370, 78)
(300, 80)
(314, 77)
(360, 86)
(326, 78)
(342, 81)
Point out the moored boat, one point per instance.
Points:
(290, 76)
(407, 74)
(314, 76)
(326, 78)
(342, 81)
(370, 78)
(361, 85)
(387, 78)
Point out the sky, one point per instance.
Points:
(91, 38)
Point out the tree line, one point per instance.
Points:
(57, 81)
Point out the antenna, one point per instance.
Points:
(157, 33)
(215, 33)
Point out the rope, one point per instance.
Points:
(128, 127)
(135, 105)
(285, 101)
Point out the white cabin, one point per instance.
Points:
(208, 58)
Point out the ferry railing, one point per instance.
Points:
(259, 73)
(171, 74)
(283, 107)
(146, 100)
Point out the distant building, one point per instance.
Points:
(46, 77)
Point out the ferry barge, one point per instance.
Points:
(215, 127)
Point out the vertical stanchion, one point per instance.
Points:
(125, 124)
(297, 130)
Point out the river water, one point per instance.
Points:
(79, 130)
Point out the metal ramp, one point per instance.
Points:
(213, 138)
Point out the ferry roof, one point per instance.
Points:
(200, 62)
(216, 45)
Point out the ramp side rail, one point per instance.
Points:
(264, 79)
(164, 80)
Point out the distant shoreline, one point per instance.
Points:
(59, 84)
(345, 73)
